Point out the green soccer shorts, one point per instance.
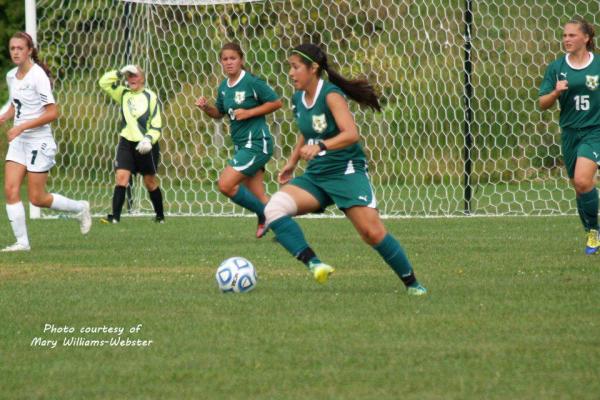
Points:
(579, 143)
(344, 191)
(249, 161)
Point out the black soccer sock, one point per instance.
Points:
(307, 255)
(157, 202)
(118, 200)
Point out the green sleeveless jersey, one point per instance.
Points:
(580, 104)
(316, 123)
(248, 92)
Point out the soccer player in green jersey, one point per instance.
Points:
(337, 168)
(245, 99)
(574, 80)
(138, 150)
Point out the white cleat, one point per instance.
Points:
(85, 218)
(16, 247)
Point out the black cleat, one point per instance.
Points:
(110, 219)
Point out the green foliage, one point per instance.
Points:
(12, 19)
(182, 44)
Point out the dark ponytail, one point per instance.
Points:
(359, 90)
(586, 28)
(34, 53)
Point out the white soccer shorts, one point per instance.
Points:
(37, 156)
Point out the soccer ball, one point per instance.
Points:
(236, 274)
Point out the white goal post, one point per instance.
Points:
(460, 129)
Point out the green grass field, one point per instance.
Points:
(513, 313)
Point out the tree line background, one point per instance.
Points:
(12, 19)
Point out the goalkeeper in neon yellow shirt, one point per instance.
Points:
(138, 150)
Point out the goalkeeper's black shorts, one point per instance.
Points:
(130, 159)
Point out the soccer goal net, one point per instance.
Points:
(439, 147)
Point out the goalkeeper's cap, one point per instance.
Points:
(140, 72)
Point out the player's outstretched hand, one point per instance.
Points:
(309, 151)
(561, 86)
(242, 114)
(286, 174)
(145, 145)
(13, 132)
(202, 102)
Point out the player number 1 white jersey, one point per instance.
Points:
(29, 96)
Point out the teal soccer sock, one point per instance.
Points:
(290, 236)
(589, 205)
(393, 254)
(249, 201)
(582, 216)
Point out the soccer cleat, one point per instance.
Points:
(416, 290)
(16, 247)
(159, 220)
(110, 219)
(593, 244)
(85, 218)
(321, 271)
(261, 230)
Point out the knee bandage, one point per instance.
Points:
(280, 205)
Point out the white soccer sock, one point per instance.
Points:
(61, 203)
(16, 216)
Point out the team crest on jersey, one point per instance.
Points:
(591, 81)
(319, 123)
(131, 106)
(239, 97)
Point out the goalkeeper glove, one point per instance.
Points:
(129, 69)
(145, 145)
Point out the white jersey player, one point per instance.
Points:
(29, 96)
(31, 148)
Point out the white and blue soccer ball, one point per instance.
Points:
(236, 274)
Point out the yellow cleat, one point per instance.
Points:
(321, 272)
(593, 244)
